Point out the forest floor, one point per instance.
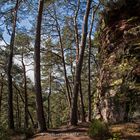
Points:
(65, 133)
(124, 131)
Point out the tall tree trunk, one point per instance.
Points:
(1, 93)
(71, 66)
(82, 104)
(76, 31)
(89, 72)
(89, 83)
(63, 60)
(25, 95)
(74, 119)
(37, 75)
(49, 113)
(18, 112)
(9, 68)
(89, 62)
(65, 72)
(77, 58)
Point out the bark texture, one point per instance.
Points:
(25, 94)
(68, 88)
(9, 69)
(76, 36)
(73, 115)
(39, 102)
(1, 92)
(89, 63)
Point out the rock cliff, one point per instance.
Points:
(119, 76)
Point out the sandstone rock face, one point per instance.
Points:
(119, 76)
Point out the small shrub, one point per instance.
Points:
(29, 132)
(98, 129)
(4, 135)
(115, 136)
(25, 133)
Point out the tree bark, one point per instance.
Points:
(82, 104)
(89, 62)
(63, 60)
(76, 32)
(73, 115)
(49, 113)
(77, 58)
(65, 72)
(18, 112)
(89, 83)
(25, 95)
(1, 93)
(22, 99)
(37, 75)
(9, 68)
(89, 73)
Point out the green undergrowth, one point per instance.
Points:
(98, 130)
(114, 136)
(6, 134)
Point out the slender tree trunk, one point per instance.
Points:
(1, 93)
(76, 40)
(50, 85)
(9, 68)
(22, 99)
(77, 58)
(65, 73)
(89, 83)
(25, 95)
(18, 112)
(64, 65)
(37, 75)
(82, 104)
(89, 62)
(76, 32)
(71, 64)
(48, 119)
(74, 119)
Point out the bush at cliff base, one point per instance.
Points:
(98, 129)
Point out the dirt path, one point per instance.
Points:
(127, 131)
(62, 136)
(124, 131)
(65, 133)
